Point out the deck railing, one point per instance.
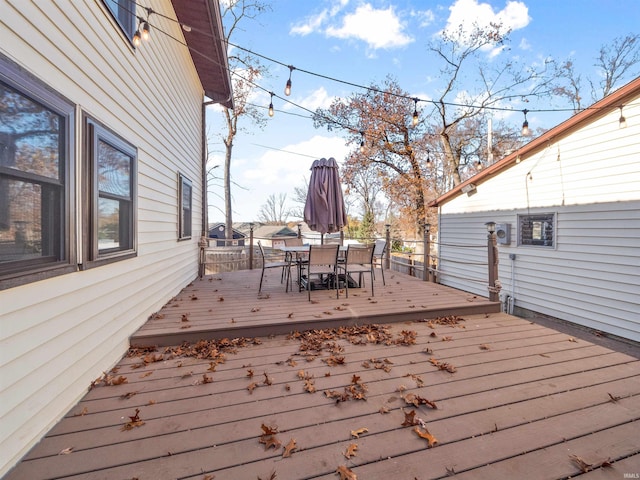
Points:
(409, 259)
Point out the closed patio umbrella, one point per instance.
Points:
(324, 210)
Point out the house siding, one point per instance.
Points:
(591, 276)
(59, 334)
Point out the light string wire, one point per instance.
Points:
(352, 129)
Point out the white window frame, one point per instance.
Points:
(185, 212)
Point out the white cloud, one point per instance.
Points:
(468, 14)
(425, 17)
(280, 171)
(318, 99)
(310, 24)
(524, 44)
(378, 28)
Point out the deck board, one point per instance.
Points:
(522, 399)
(228, 305)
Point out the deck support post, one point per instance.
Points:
(492, 254)
(426, 240)
(387, 252)
(251, 246)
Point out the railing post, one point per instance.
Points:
(426, 273)
(251, 246)
(203, 244)
(387, 253)
(492, 254)
(299, 230)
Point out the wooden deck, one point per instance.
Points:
(501, 397)
(228, 305)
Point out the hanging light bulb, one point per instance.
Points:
(361, 142)
(145, 29)
(271, 105)
(428, 156)
(622, 123)
(525, 124)
(287, 89)
(136, 38)
(479, 165)
(415, 112)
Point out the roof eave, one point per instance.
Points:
(207, 47)
(599, 108)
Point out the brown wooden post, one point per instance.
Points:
(426, 240)
(203, 244)
(299, 230)
(492, 254)
(387, 253)
(251, 246)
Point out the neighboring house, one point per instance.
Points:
(569, 208)
(218, 232)
(266, 234)
(101, 198)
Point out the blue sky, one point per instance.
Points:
(364, 41)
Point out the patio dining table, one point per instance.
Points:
(299, 251)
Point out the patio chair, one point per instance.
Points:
(295, 257)
(322, 263)
(266, 264)
(378, 256)
(359, 259)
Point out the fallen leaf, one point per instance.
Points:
(485, 347)
(82, 413)
(250, 373)
(205, 379)
(289, 448)
(267, 379)
(255, 309)
(290, 315)
(417, 400)
(309, 386)
(66, 451)
(409, 419)
(128, 395)
(384, 409)
(252, 387)
(358, 432)
(185, 317)
(134, 421)
(270, 441)
(345, 473)
(427, 436)
(613, 398)
(351, 450)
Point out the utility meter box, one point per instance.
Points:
(503, 233)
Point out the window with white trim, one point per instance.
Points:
(185, 199)
(124, 12)
(536, 230)
(36, 179)
(110, 224)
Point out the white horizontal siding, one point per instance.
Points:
(60, 334)
(591, 277)
(597, 164)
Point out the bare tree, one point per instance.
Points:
(245, 71)
(462, 53)
(613, 64)
(274, 211)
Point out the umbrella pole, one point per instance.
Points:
(322, 239)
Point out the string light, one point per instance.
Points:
(525, 124)
(144, 25)
(145, 29)
(287, 89)
(622, 123)
(271, 105)
(361, 142)
(428, 156)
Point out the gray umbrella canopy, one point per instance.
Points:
(324, 210)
